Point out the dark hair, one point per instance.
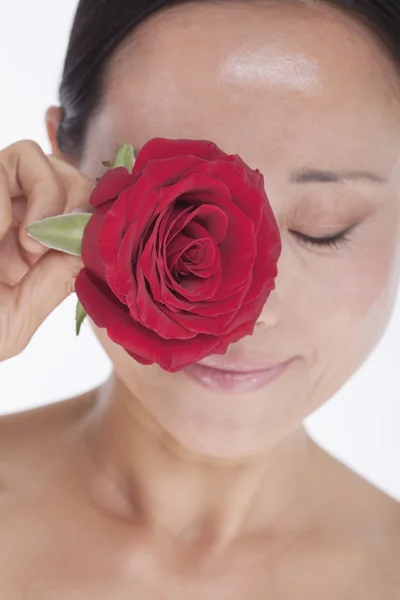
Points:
(100, 27)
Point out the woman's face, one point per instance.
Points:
(309, 98)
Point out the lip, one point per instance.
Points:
(237, 365)
(239, 377)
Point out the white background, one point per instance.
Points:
(360, 425)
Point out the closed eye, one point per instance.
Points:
(331, 241)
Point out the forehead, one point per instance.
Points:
(284, 82)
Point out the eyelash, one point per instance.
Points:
(333, 241)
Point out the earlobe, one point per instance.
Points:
(54, 115)
(53, 119)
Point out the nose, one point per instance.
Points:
(271, 312)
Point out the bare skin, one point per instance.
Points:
(58, 542)
(151, 486)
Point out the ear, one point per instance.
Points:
(53, 119)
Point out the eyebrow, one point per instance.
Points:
(316, 176)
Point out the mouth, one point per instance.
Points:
(234, 376)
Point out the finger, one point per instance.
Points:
(78, 186)
(44, 287)
(5, 204)
(30, 174)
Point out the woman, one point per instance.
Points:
(203, 483)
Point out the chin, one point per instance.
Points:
(224, 428)
(220, 423)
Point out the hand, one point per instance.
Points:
(33, 279)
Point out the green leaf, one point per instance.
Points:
(81, 314)
(63, 232)
(125, 157)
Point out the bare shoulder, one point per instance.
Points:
(35, 459)
(353, 498)
(29, 438)
(42, 419)
(367, 521)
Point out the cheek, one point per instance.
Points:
(346, 293)
(123, 365)
(139, 380)
(363, 283)
(365, 279)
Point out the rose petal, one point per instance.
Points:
(198, 257)
(113, 229)
(124, 279)
(188, 289)
(268, 252)
(175, 302)
(240, 180)
(236, 265)
(152, 317)
(89, 289)
(198, 190)
(264, 271)
(149, 310)
(160, 173)
(234, 336)
(111, 185)
(185, 221)
(157, 262)
(161, 148)
(212, 220)
(254, 176)
(90, 255)
(171, 355)
(173, 222)
(214, 323)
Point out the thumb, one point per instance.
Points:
(44, 287)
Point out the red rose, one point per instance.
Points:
(181, 255)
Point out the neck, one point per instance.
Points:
(142, 474)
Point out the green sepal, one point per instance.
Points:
(63, 232)
(125, 157)
(81, 314)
